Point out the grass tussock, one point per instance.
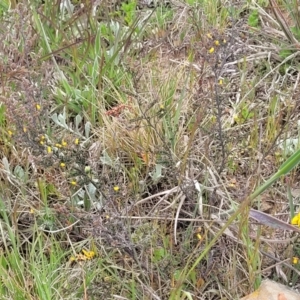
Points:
(145, 150)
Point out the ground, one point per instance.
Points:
(143, 149)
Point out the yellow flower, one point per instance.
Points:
(116, 188)
(211, 50)
(209, 35)
(58, 145)
(62, 164)
(220, 81)
(24, 129)
(236, 118)
(73, 182)
(37, 106)
(296, 220)
(76, 141)
(10, 133)
(49, 150)
(42, 142)
(295, 260)
(199, 236)
(88, 254)
(217, 43)
(64, 143)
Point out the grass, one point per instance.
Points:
(137, 143)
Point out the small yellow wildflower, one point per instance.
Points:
(62, 164)
(295, 260)
(24, 129)
(37, 106)
(217, 43)
(76, 141)
(10, 133)
(220, 81)
(211, 50)
(42, 142)
(88, 254)
(73, 182)
(31, 211)
(236, 118)
(296, 220)
(64, 143)
(209, 35)
(58, 145)
(116, 188)
(49, 150)
(199, 236)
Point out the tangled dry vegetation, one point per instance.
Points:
(128, 138)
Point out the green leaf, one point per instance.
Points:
(20, 173)
(284, 53)
(78, 120)
(159, 254)
(156, 175)
(290, 163)
(106, 159)
(253, 19)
